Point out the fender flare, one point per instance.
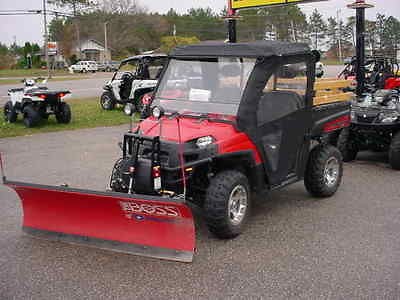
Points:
(244, 161)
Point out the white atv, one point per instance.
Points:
(35, 103)
(135, 77)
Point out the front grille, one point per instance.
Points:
(366, 119)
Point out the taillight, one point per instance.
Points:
(61, 95)
(41, 96)
(156, 172)
(338, 123)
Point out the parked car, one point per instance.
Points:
(85, 66)
(108, 66)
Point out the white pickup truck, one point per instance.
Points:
(84, 66)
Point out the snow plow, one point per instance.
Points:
(226, 123)
(141, 225)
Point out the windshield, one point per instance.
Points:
(204, 86)
(128, 66)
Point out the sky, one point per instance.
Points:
(30, 28)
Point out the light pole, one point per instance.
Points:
(46, 52)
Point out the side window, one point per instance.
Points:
(155, 68)
(293, 78)
(284, 93)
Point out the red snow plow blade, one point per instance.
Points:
(137, 224)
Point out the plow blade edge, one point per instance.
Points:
(137, 224)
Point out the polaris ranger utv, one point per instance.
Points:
(230, 126)
(225, 125)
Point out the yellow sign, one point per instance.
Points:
(238, 4)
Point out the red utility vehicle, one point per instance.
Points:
(225, 124)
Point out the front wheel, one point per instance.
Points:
(324, 171)
(107, 101)
(227, 204)
(10, 115)
(394, 152)
(63, 114)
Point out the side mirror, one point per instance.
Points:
(317, 55)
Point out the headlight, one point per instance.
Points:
(157, 112)
(390, 119)
(204, 141)
(353, 116)
(129, 109)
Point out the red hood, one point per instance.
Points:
(190, 128)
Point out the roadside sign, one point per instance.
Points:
(52, 48)
(239, 4)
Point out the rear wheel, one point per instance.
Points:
(324, 171)
(347, 146)
(10, 115)
(394, 152)
(63, 114)
(31, 116)
(107, 101)
(227, 204)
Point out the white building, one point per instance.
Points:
(92, 50)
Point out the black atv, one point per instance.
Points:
(375, 125)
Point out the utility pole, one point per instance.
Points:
(340, 35)
(46, 52)
(78, 34)
(105, 38)
(360, 6)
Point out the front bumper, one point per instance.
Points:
(143, 153)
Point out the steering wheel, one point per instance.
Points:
(127, 76)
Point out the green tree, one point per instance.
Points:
(285, 22)
(170, 42)
(7, 58)
(317, 28)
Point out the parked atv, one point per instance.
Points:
(225, 124)
(35, 103)
(381, 72)
(136, 76)
(375, 125)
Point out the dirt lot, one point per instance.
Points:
(295, 247)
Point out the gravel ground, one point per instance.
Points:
(295, 247)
